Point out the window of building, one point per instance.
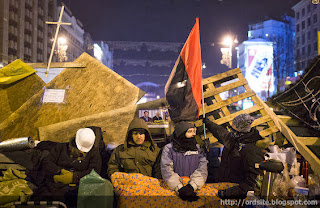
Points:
(315, 18)
(309, 21)
(303, 39)
(297, 27)
(298, 52)
(298, 65)
(303, 51)
(297, 15)
(315, 46)
(309, 8)
(309, 35)
(303, 12)
(309, 49)
(303, 25)
(315, 32)
(297, 41)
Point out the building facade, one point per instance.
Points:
(23, 31)
(102, 52)
(72, 36)
(281, 34)
(149, 63)
(307, 25)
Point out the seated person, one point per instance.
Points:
(242, 149)
(138, 154)
(157, 117)
(183, 157)
(146, 117)
(67, 163)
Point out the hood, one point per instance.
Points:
(181, 128)
(138, 123)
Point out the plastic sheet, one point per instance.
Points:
(17, 144)
(281, 184)
(95, 191)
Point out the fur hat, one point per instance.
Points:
(243, 122)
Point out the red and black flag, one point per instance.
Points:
(183, 88)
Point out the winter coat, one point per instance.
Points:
(239, 156)
(66, 156)
(132, 158)
(176, 164)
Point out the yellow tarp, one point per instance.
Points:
(15, 71)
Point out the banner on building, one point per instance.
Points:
(259, 70)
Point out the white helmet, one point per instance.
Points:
(85, 139)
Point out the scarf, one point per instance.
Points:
(183, 144)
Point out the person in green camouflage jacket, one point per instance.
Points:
(138, 154)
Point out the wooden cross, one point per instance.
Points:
(55, 37)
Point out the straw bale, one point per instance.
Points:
(16, 94)
(90, 90)
(114, 125)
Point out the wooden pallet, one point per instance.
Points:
(269, 123)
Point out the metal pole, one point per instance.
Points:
(231, 55)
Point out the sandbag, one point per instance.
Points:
(95, 191)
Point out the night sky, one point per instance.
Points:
(172, 20)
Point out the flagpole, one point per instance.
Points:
(202, 97)
(203, 111)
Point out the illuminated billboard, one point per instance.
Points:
(259, 69)
(255, 59)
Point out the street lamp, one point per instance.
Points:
(62, 49)
(227, 52)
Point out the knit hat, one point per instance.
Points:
(182, 127)
(243, 122)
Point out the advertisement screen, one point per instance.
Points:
(155, 117)
(259, 70)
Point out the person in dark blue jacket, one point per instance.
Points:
(183, 157)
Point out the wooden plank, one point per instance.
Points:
(261, 120)
(224, 109)
(224, 88)
(230, 117)
(294, 140)
(218, 99)
(288, 120)
(310, 141)
(229, 101)
(255, 100)
(268, 131)
(57, 65)
(221, 76)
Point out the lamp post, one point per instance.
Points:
(62, 49)
(227, 52)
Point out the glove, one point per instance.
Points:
(205, 120)
(65, 177)
(187, 193)
(234, 192)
